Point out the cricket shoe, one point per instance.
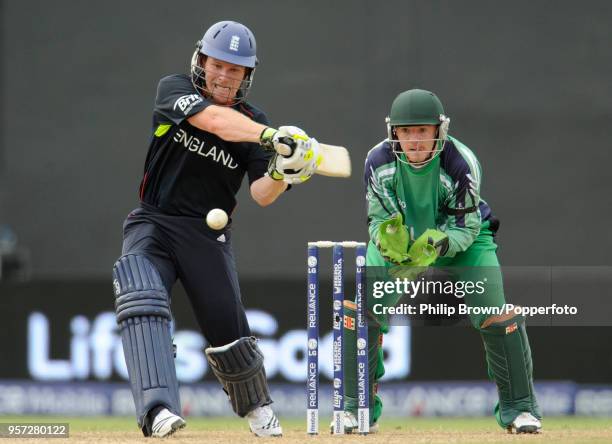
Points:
(263, 422)
(351, 425)
(166, 423)
(525, 423)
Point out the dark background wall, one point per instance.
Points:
(526, 84)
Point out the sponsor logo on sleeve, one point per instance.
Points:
(187, 102)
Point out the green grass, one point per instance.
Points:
(113, 430)
(389, 424)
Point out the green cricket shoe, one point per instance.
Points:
(351, 425)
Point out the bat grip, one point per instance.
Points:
(286, 147)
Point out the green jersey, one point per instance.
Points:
(444, 194)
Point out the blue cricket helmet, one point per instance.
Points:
(231, 42)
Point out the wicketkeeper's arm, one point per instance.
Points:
(380, 197)
(463, 216)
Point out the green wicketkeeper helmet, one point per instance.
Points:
(417, 107)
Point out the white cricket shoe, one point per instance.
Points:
(263, 422)
(525, 423)
(351, 425)
(166, 423)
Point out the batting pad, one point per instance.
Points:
(143, 315)
(239, 368)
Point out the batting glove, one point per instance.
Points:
(297, 156)
(283, 140)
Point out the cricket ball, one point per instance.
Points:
(216, 219)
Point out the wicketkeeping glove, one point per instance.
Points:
(428, 247)
(422, 253)
(393, 240)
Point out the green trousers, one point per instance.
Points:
(507, 350)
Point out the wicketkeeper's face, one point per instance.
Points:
(417, 141)
(223, 80)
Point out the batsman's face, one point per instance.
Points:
(417, 141)
(223, 80)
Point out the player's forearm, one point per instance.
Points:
(265, 190)
(460, 239)
(228, 124)
(373, 225)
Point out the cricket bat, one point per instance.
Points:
(336, 160)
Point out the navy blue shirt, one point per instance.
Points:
(189, 171)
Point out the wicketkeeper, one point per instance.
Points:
(424, 208)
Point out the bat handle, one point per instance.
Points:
(286, 146)
(283, 150)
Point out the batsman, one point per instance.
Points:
(205, 139)
(424, 209)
